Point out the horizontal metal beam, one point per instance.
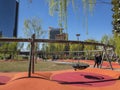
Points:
(15, 40)
(51, 41)
(71, 42)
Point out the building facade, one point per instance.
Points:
(53, 32)
(62, 36)
(8, 18)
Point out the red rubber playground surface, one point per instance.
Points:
(84, 79)
(87, 79)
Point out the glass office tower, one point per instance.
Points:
(8, 18)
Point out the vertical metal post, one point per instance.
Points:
(103, 55)
(78, 36)
(33, 52)
(108, 58)
(78, 46)
(31, 61)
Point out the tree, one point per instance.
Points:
(117, 44)
(9, 50)
(54, 48)
(90, 47)
(60, 6)
(33, 26)
(112, 40)
(12, 47)
(116, 16)
(105, 39)
(108, 39)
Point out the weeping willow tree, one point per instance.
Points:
(60, 6)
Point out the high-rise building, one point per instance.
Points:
(8, 18)
(53, 32)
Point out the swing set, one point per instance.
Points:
(106, 53)
(32, 41)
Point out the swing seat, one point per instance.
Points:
(80, 66)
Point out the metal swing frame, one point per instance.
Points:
(32, 40)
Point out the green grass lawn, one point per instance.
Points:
(21, 66)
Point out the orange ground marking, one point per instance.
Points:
(42, 81)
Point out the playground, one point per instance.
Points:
(52, 59)
(79, 75)
(69, 79)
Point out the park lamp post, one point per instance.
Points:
(78, 35)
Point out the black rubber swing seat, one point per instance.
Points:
(80, 66)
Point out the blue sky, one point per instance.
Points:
(99, 23)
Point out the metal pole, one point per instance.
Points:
(108, 58)
(33, 52)
(78, 36)
(103, 55)
(30, 61)
(78, 46)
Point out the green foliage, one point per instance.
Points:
(33, 26)
(89, 4)
(54, 47)
(8, 49)
(105, 39)
(117, 43)
(108, 40)
(60, 6)
(9, 46)
(76, 47)
(116, 16)
(90, 47)
(112, 40)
